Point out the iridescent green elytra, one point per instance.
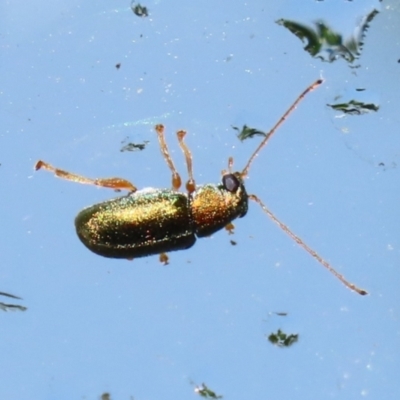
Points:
(155, 221)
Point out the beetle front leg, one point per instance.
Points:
(112, 183)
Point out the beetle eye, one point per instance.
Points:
(230, 182)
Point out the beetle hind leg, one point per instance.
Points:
(112, 183)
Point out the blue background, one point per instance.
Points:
(139, 329)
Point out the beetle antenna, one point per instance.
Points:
(278, 124)
(309, 250)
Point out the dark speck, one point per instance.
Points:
(139, 10)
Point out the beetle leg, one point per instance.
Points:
(230, 165)
(164, 258)
(309, 250)
(190, 185)
(230, 227)
(113, 183)
(176, 179)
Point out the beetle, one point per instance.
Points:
(155, 221)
